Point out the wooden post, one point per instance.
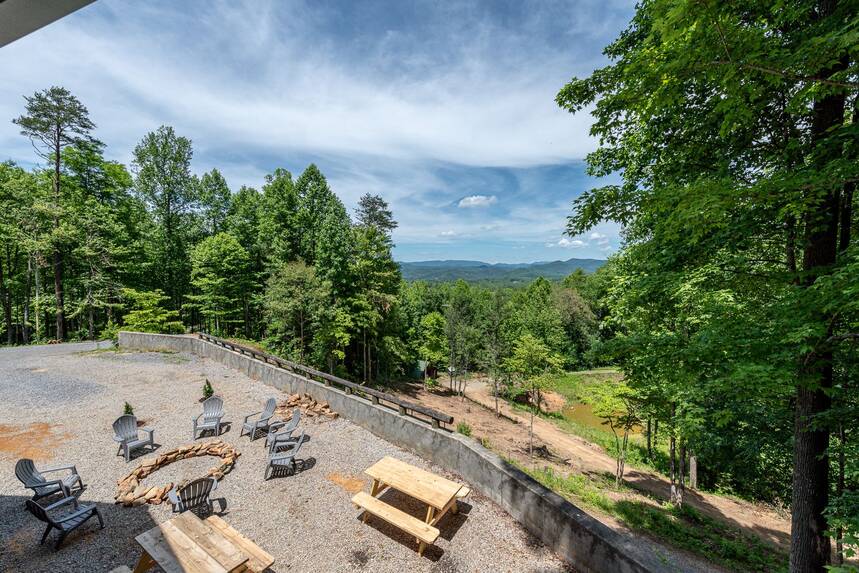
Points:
(375, 400)
(402, 409)
(435, 424)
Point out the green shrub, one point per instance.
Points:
(128, 409)
(208, 391)
(110, 331)
(463, 429)
(148, 313)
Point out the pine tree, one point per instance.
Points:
(55, 119)
(373, 211)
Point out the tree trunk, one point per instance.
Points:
(7, 304)
(676, 492)
(681, 483)
(57, 255)
(810, 548)
(839, 490)
(27, 287)
(693, 471)
(531, 436)
(672, 469)
(91, 322)
(649, 444)
(37, 309)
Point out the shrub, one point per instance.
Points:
(128, 409)
(207, 390)
(110, 331)
(463, 429)
(148, 313)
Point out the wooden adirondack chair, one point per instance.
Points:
(196, 495)
(281, 432)
(26, 472)
(285, 458)
(213, 411)
(64, 523)
(260, 424)
(128, 437)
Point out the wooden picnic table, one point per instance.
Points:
(440, 494)
(188, 544)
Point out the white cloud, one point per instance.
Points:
(391, 113)
(138, 66)
(596, 236)
(448, 234)
(566, 243)
(477, 201)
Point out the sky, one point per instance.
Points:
(445, 109)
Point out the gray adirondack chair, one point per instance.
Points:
(63, 522)
(285, 458)
(262, 422)
(196, 496)
(26, 472)
(213, 411)
(128, 437)
(281, 432)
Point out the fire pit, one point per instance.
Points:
(130, 492)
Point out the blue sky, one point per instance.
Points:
(445, 109)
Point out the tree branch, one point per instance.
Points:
(774, 71)
(841, 337)
(791, 76)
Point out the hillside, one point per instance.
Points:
(508, 273)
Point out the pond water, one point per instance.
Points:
(583, 414)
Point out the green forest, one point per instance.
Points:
(732, 309)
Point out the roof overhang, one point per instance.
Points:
(20, 17)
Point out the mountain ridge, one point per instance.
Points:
(480, 271)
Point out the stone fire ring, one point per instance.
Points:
(131, 493)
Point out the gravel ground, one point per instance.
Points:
(57, 404)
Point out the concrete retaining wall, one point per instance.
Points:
(580, 539)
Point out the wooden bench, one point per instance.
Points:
(424, 533)
(258, 559)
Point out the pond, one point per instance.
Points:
(583, 414)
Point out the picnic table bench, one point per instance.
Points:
(188, 544)
(438, 493)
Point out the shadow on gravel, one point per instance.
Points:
(87, 548)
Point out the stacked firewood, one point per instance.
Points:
(309, 407)
(131, 493)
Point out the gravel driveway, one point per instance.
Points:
(57, 404)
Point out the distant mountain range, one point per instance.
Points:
(509, 273)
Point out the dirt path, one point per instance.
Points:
(589, 458)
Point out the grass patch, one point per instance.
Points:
(97, 351)
(463, 429)
(255, 344)
(574, 385)
(684, 528)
